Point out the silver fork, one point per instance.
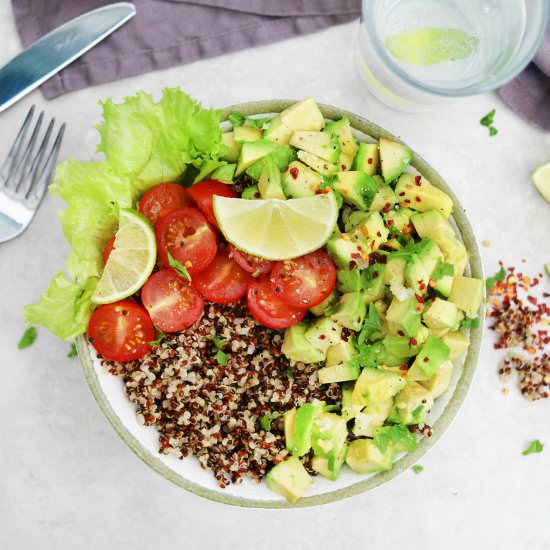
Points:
(24, 176)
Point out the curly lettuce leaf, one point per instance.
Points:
(144, 143)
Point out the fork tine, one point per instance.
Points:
(15, 178)
(30, 174)
(12, 155)
(42, 181)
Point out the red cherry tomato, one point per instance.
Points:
(305, 281)
(121, 331)
(268, 309)
(162, 199)
(223, 281)
(187, 236)
(203, 192)
(109, 247)
(171, 301)
(250, 263)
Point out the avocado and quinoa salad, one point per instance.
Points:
(286, 303)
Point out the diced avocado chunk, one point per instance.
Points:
(233, 147)
(342, 130)
(318, 164)
(321, 144)
(364, 457)
(252, 152)
(350, 311)
(289, 479)
(394, 275)
(413, 403)
(224, 173)
(373, 231)
(300, 181)
(281, 156)
(340, 352)
(375, 385)
(416, 275)
(416, 193)
(325, 305)
(444, 285)
(303, 115)
(346, 252)
(394, 158)
(277, 131)
(349, 409)
(372, 417)
(373, 283)
(250, 193)
(342, 372)
(403, 318)
(457, 342)
(403, 346)
(433, 353)
(323, 333)
(432, 224)
(270, 182)
(385, 197)
(246, 133)
(348, 280)
(441, 314)
(467, 294)
(430, 254)
(353, 219)
(297, 348)
(399, 218)
(322, 465)
(367, 159)
(455, 254)
(299, 427)
(356, 188)
(439, 383)
(329, 440)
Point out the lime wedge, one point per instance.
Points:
(541, 179)
(431, 45)
(276, 229)
(130, 262)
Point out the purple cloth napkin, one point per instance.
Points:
(529, 93)
(165, 33)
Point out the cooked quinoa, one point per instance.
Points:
(213, 411)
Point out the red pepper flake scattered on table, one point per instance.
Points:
(521, 319)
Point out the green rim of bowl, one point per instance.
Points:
(369, 128)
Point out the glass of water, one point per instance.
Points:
(414, 54)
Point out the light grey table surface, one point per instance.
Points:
(68, 481)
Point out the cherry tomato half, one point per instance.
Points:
(109, 247)
(121, 331)
(187, 236)
(268, 309)
(171, 301)
(223, 281)
(305, 281)
(251, 264)
(203, 192)
(162, 199)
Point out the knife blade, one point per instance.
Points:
(59, 48)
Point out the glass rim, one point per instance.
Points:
(471, 90)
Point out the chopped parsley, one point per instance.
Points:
(397, 434)
(487, 121)
(417, 468)
(159, 337)
(267, 419)
(535, 447)
(329, 182)
(492, 281)
(180, 269)
(371, 326)
(399, 235)
(442, 270)
(72, 352)
(221, 357)
(238, 119)
(28, 338)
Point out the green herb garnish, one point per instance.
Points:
(399, 235)
(72, 353)
(493, 131)
(492, 281)
(329, 182)
(487, 120)
(267, 419)
(394, 434)
(238, 119)
(28, 338)
(221, 357)
(417, 469)
(159, 337)
(442, 270)
(180, 269)
(417, 412)
(535, 447)
(371, 326)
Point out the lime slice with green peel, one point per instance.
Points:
(541, 179)
(431, 45)
(130, 262)
(276, 229)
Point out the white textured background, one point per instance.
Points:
(68, 482)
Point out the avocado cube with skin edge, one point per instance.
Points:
(297, 348)
(321, 144)
(457, 342)
(356, 188)
(298, 425)
(467, 294)
(323, 333)
(364, 457)
(289, 479)
(439, 383)
(342, 130)
(394, 158)
(269, 184)
(350, 311)
(303, 115)
(252, 152)
(416, 193)
(375, 385)
(322, 465)
(433, 353)
(367, 159)
(413, 403)
(441, 314)
(371, 417)
(300, 181)
(329, 438)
